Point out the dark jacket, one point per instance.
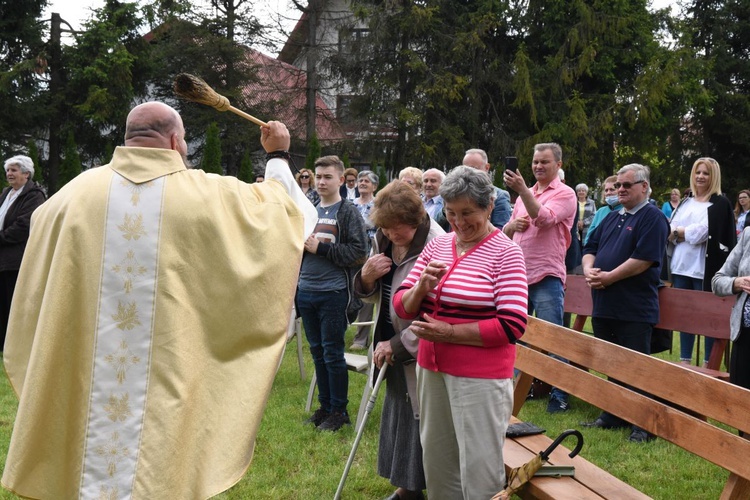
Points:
(722, 235)
(343, 192)
(404, 343)
(350, 251)
(15, 230)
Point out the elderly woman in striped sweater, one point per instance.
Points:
(468, 292)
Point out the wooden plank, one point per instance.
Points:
(595, 479)
(661, 378)
(736, 488)
(577, 295)
(703, 439)
(693, 311)
(521, 391)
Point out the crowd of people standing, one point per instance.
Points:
(448, 268)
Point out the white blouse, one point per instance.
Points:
(689, 257)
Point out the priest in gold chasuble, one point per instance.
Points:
(149, 320)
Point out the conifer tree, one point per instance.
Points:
(313, 152)
(246, 168)
(211, 161)
(34, 155)
(71, 163)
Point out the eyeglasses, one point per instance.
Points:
(626, 185)
(304, 176)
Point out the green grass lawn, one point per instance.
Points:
(293, 461)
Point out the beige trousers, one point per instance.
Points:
(462, 428)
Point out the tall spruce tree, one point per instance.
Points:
(721, 35)
(105, 70)
(33, 152)
(313, 152)
(246, 168)
(71, 163)
(211, 161)
(23, 63)
(213, 45)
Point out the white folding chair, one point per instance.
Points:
(357, 363)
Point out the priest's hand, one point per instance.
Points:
(274, 137)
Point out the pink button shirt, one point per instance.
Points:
(547, 239)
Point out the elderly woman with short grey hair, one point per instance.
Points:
(467, 296)
(17, 203)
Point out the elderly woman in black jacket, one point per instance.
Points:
(17, 203)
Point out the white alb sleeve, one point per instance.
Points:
(278, 169)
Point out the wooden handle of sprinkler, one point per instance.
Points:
(246, 116)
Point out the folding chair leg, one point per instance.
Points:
(300, 361)
(311, 392)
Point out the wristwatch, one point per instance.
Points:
(675, 236)
(279, 154)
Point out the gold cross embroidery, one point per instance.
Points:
(113, 453)
(129, 269)
(122, 360)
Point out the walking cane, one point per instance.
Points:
(361, 430)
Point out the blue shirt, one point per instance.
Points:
(620, 236)
(501, 212)
(433, 206)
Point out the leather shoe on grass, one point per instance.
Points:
(557, 405)
(335, 421)
(318, 417)
(640, 436)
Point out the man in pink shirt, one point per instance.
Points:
(540, 225)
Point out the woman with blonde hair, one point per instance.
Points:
(671, 204)
(305, 180)
(413, 177)
(702, 234)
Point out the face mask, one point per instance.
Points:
(612, 200)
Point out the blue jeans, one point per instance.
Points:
(324, 317)
(688, 339)
(546, 299)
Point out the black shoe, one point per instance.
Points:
(557, 405)
(600, 423)
(335, 421)
(640, 436)
(318, 417)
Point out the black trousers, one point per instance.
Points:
(635, 335)
(7, 286)
(739, 363)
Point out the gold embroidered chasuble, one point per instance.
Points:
(148, 322)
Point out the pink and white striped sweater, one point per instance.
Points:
(487, 285)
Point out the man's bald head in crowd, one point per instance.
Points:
(155, 125)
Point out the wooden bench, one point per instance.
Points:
(681, 394)
(701, 313)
